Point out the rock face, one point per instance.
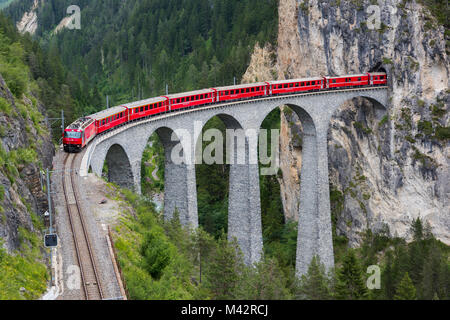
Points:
(29, 21)
(389, 166)
(22, 192)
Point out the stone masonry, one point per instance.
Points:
(179, 130)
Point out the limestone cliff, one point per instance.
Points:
(385, 171)
(29, 21)
(25, 147)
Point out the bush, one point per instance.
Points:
(5, 106)
(15, 77)
(157, 252)
(442, 133)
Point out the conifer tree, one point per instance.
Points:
(315, 284)
(406, 289)
(223, 271)
(350, 284)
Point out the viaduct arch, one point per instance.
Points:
(180, 131)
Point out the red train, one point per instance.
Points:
(81, 132)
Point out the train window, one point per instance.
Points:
(297, 84)
(103, 122)
(308, 83)
(334, 80)
(359, 79)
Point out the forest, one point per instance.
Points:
(151, 251)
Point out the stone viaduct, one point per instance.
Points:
(123, 148)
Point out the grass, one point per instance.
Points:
(22, 275)
(5, 106)
(129, 236)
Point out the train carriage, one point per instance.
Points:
(296, 85)
(146, 108)
(243, 91)
(110, 118)
(355, 80)
(190, 99)
(377, 78)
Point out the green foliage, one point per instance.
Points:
(186, 44)
(266, 281)
(27, 68)
(442, 133)
(315, 285)
(23, 269)
(153, 163)
(359, 126)
(223, 270)
(387, 61)
(350, 284)
(384, 120)
(406, 289)
(426, 162)
(425, 127)
(438, 110)
(5, 106)
(212, 188)
(438, 9)
(157, 252)
(152, 265)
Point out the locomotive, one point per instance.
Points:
(77, 135)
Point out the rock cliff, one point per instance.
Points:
(386, 167)
(25, 149)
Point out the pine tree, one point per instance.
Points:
(350, 284)
(315, 284)
(406, 289)
(223, 271)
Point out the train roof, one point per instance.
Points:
(295, 80)
(108, 112)
(348, 75)
(144, 102)
(190, 93)
(80, 123)
(242, 86)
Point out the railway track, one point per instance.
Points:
(91, 286)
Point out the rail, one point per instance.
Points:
(88, 271)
